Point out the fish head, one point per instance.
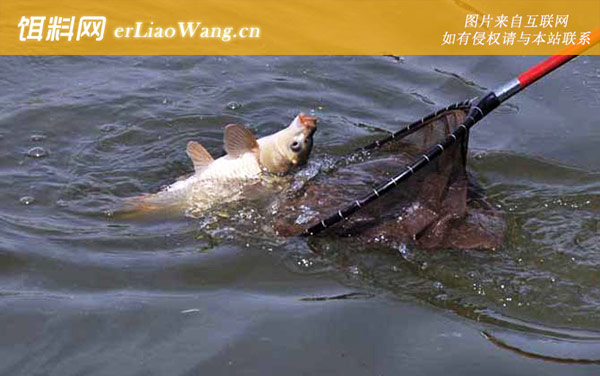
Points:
(300, 142)
(289, 147)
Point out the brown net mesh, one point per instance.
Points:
(431, 208)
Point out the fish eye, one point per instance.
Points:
(295, 146)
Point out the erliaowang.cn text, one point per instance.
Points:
(69, 29)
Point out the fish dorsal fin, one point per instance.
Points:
(199, 156)
(239, 140)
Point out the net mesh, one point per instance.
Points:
(437, 207)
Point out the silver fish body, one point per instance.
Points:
(226, 179)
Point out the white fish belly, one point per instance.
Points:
(222, 181)
(244, 167)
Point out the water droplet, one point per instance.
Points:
(37, 137)
(27, 200)
(234, 105)
(37, 152)
(304, 262)
(403, 250)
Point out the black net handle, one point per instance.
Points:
(476, 113)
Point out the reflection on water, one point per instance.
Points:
(79, 133)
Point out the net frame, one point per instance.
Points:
(484, 106)
(475, 113)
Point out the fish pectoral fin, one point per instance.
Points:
(199, 156)
(239, 140)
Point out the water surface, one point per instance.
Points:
(86, 293)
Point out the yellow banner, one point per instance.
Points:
(296, 27)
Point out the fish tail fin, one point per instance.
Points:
(142, 204)
(145, 205)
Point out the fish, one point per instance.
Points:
(248, 161)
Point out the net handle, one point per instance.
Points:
(483, 107)
(540, 70)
